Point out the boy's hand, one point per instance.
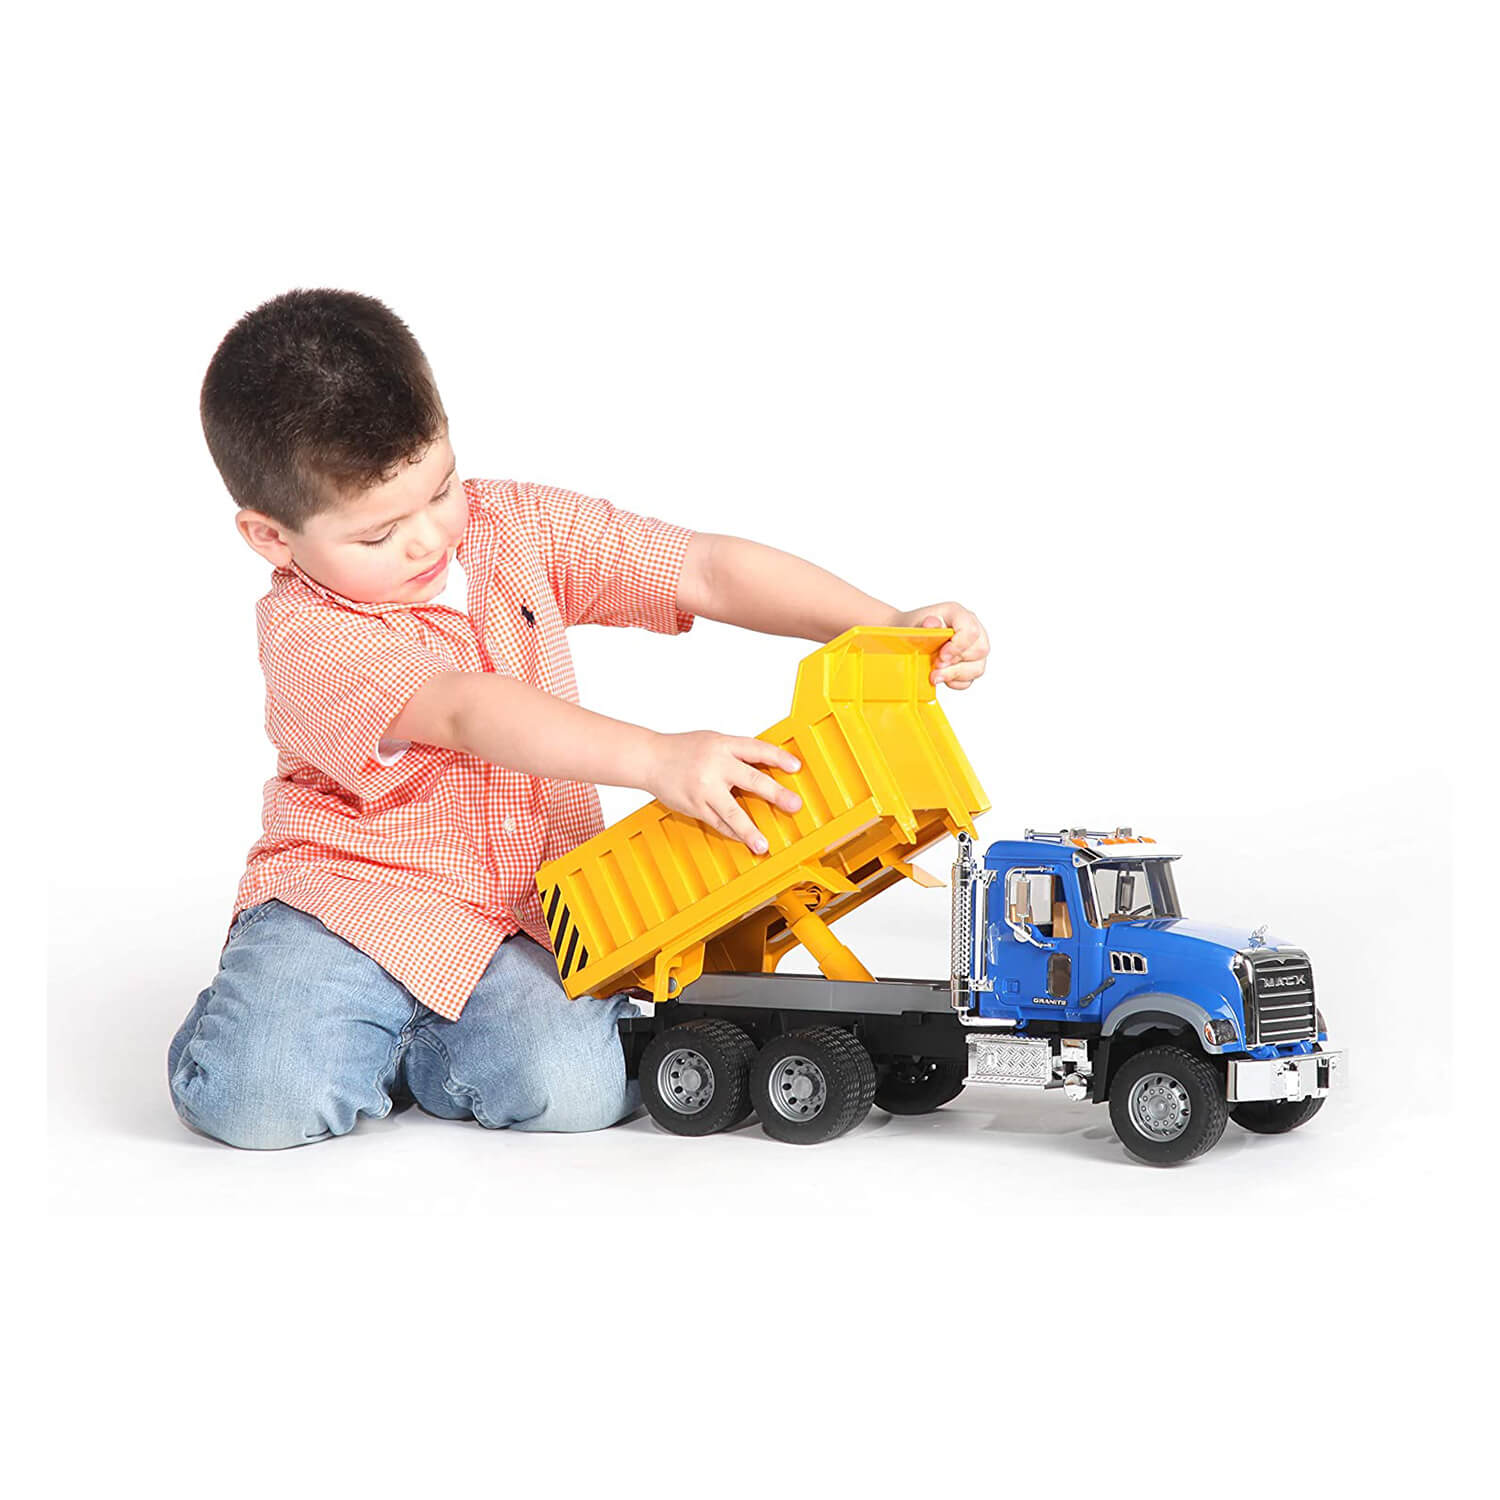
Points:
(696, 774)
(962, 659)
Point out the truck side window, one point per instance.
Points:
(1048, 899)
(1041, 904)
(1062, 921)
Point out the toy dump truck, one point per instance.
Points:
(1072, 968)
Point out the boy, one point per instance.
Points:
(387, 942)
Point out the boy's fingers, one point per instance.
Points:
(963, 644)
(968, 641)
(761, 785)
(711, 819)
(764, 753)
(737, 824)
(961, 674)
(964, 671)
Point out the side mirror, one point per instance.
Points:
(1018, 899)
(1125, 892)
(1025, 892)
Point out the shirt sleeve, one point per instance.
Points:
(334, 682)
(608, 566)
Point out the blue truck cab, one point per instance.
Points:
(1074, 965)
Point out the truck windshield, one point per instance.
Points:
(1133, 889)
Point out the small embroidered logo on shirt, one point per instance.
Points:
(527, 615)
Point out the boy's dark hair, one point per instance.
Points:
(314, 397)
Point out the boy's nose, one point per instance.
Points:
(426, 541)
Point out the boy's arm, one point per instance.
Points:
(760, 588)
(607, 566)
(513, 724)
(521, 727)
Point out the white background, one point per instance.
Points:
(1158, 334)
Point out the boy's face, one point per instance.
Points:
(373, 548)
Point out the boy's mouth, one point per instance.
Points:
(432, 572)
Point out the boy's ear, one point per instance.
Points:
(265, 536)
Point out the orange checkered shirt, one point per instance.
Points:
(427, 862)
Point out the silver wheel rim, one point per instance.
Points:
(798, 1088)
(685, 1081)
(1159, 1107)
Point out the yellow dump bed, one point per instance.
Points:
(658, 898)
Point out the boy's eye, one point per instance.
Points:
(381, 539)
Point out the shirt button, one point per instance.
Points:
(508, 824)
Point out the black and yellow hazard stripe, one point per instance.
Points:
(567, 945)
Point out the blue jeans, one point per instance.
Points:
(301, 1033)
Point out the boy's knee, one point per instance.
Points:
(255, 1115)
(588, 1089)
(294, 1040)
(578, 1097)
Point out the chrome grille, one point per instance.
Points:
(1280, 1004)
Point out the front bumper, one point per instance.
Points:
(1309, 1076)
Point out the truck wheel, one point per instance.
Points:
(1274, 1116)
(1167, 1105)
(811, 1086)
(919, 1085)
(695, 1078)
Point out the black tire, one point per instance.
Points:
(1274, 1116)
(1174, 1076)
(678, 1094)
(833, 1064)
(919, 1085)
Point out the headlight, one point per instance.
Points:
(1217, 1033)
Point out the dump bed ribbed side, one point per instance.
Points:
(657, 898)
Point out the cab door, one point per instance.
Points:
(1033, 940)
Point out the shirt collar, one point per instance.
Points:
(364, 606)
